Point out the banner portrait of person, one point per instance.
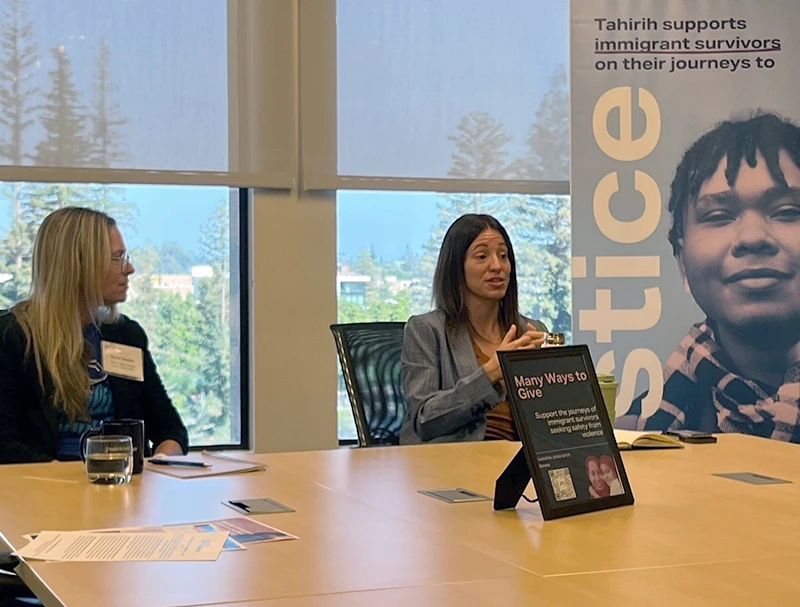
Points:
(735, 205)
(686, 155)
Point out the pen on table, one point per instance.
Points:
(175, 462)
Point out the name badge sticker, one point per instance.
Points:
(123, 361)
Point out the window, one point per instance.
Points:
(411, 73)
(145, 91)
(150, 92)
(414, 78)
(389, 243)
(446, 108)
(185, 247)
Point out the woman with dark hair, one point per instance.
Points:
(597, 485)
(608, 470)
(451, 375)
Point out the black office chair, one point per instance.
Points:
(13, 592)
(370, 357)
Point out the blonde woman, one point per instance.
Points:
(53, 386)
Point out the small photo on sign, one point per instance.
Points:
(603, 476)
(563, 487)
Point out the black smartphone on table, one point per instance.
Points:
(692, 436)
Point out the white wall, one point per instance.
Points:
(293, 361)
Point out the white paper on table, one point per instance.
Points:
(82, 546)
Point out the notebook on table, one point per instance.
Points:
(217, 464)
(631, 439)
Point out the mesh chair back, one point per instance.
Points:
(370, 357)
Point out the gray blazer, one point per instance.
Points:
(447, 393)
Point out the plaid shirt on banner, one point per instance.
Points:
(698, 374)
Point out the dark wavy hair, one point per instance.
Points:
(735, 140)
(449, 279)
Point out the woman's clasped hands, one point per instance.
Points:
(528, 340)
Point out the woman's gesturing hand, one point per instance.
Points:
(530, 339)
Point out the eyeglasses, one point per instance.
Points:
(124, 260)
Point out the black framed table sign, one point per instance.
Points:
(568, 445)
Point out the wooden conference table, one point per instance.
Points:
(368, 538)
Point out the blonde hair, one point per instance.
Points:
(71, 257)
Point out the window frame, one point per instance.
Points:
(242, 239)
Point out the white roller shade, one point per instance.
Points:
(148, 91)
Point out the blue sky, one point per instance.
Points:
(389, 221)
(172, 214)
(166, 214)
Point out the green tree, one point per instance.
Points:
(548, 138)
(106, 121)
(408, 264)
(540, 229)
(213, 302)
(379, 307)
(174, 259)
(18, 61)
(63, 118)
(16, 246)
(178, 333)
(32, 202)
(177, 344)
(64, 144)
(480, 152)
(366, 263)
(111, 200)
(541, 225)
(142, 304)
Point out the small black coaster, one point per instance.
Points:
(454, 496)
(261, 505)
(752, 478)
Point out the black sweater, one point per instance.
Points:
(28, 418)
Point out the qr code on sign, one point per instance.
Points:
(561, 480)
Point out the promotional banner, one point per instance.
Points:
(686, 209)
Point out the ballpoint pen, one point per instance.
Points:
(174, 462)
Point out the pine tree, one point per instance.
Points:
(541, 225)
(480, 153)
(548, 140)
(408, 263)
(16, 247)
(31, 203)
(142, 305)
(540, 230)
(111, 200)
(18, 63)
(65, 142)
(213, 303)
(480, 148)
(107, 147)
(107, 140)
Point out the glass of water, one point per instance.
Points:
(109, 459)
